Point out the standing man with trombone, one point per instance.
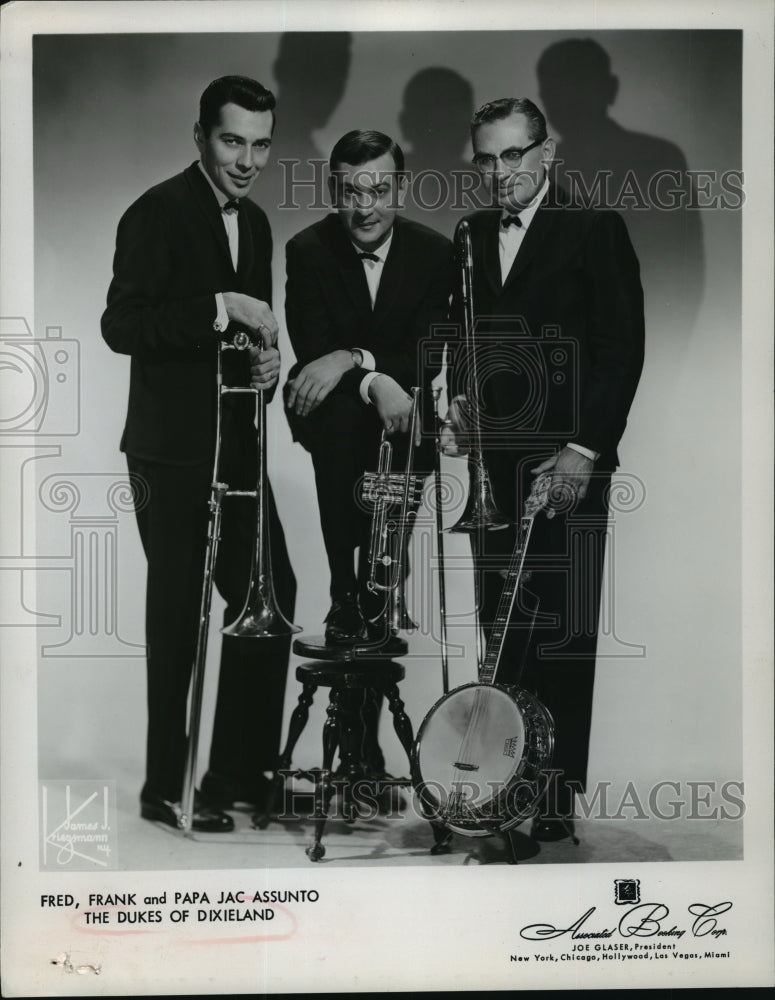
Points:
(192, 265)
(364, 291)
(559, 334)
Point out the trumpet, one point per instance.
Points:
(481, 513)
(261, 616)
(384, 491)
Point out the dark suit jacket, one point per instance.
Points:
(172, 256)
(560, 343)
(328, 308)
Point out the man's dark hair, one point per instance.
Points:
(505, 107)
(362, 145)
(240, 90)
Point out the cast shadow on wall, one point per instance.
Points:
(436, 108)
(642, 176)
(311, 70)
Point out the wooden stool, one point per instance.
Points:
(351, 725)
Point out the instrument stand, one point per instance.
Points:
(351, 727)
(520, 846)
(573, 838)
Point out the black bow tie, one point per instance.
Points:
(511, 220)
(231, 206)
(368, 256)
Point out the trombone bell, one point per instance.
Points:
(480, 513)
(261, 619)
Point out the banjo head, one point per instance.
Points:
(478, 757)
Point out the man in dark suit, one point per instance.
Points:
(364, 291)
(559, 330)
(193, 256)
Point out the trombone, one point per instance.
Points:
(260, 617)
(480, 513)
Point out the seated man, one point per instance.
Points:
(364, 288)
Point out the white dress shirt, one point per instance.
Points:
(373, 272)
(510, 239)
(231, 225)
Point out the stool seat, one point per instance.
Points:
(315, 647)
(325, 673)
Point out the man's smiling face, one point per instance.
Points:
(237, 148)
(367, 198)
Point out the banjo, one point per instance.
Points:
(480, 760)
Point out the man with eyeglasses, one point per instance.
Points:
(559, 334)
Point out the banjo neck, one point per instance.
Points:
(534, 503)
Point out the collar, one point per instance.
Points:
(382, 252)
(222, 198)
(527, 213)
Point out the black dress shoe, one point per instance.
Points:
(221, 793)
(547, 830)
(344, 622)
(204, 820)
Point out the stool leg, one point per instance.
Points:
(350, 743)
(373, 758)
(403, 727)
(295, 728)
(401, 723)
(323, 789)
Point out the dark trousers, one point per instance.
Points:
(551, 641)
(172, 515)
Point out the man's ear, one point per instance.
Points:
(401, 189)
(199, 136)
(548, 150)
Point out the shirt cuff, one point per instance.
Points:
(586, 452)
(221, 316)
(368, 364)
(366, 382)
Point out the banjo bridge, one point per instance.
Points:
(466, 767)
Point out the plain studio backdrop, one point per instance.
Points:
(113, 115)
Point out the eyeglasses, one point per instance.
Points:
(511, 158)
